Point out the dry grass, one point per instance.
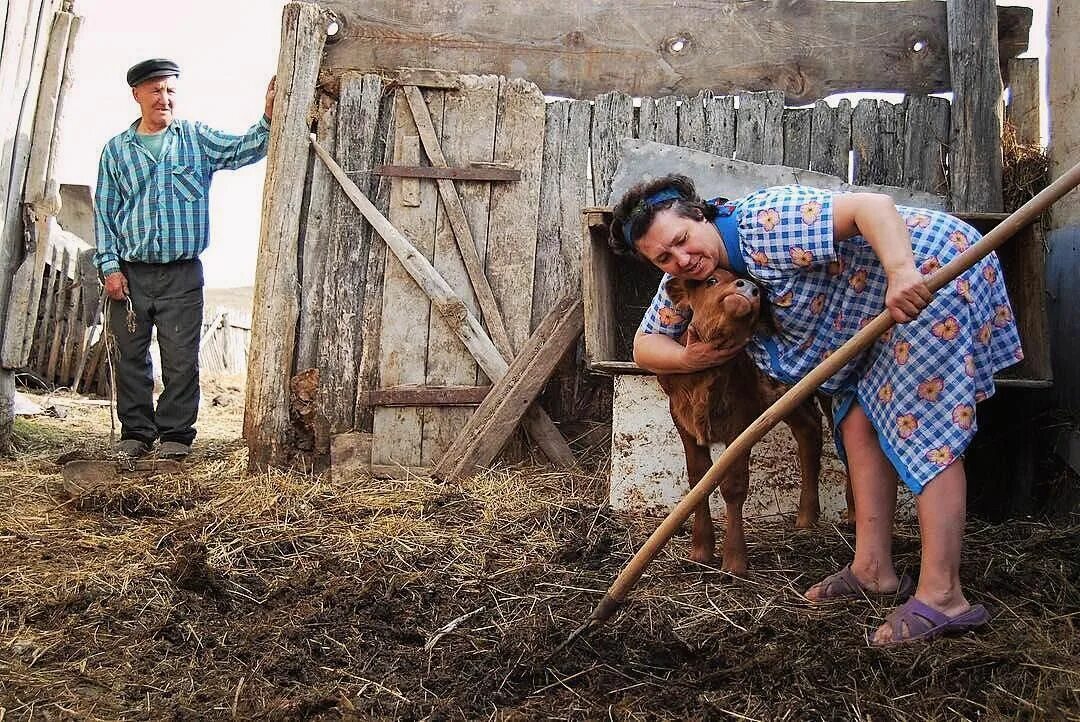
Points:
(215, 595)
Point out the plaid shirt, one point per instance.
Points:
(158, 211)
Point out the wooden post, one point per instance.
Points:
(266, 412)
(975, 153)
(1024, 111)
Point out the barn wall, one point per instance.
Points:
(1063, 263)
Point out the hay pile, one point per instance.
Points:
(1025, 169)
(218, 595)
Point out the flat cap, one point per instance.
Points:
(149, 69)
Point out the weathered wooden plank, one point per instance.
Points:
(759, 132)
(87, 344)
(368, 375)
(48, 315)
(406, 318)
(975, 152)
(797, 123)
(444, 299)
(612, 120)
(42, 193)
(266, 409)
(320, 208)
(499, 414)
(511, 248)
(597, 283)
(658, 120)
(720, 126)
(409, 152)
(429, 78)
(926, 143)
(468, 132)
(564, 191)
(350, 455)
(72, 323)
(830, 138)
(412, 395)
(692, 128)
(877, 139)
(1024, 111)
(347, 249)
(62, 301)
(581, 48)
(490, 172)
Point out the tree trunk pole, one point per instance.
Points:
(275, 307)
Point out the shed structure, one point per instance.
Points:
(487, 181)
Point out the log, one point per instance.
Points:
(975, 154)
(491, 426)
(266, 409)
(582, 48)
(443, 298)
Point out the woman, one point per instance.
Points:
(904, 408)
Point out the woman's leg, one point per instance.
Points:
(942, 508)
(873, 483)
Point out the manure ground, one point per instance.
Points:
(213, 594)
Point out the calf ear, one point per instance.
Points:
(678, 290)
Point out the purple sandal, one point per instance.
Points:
(845, 585)
(923, 622)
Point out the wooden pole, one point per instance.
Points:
(975, 153)
(273, 335)
(798, 393)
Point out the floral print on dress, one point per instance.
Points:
(946, 329)
(768, 218)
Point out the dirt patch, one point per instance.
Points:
(292, 596)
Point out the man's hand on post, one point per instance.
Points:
(270, 92)
(116, 286)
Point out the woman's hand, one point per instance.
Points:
(906, 294)
(698, 354)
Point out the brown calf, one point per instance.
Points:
(717, 404)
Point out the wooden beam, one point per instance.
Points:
(493, 423)
(582, 48)
(1025, 110)
(414, 395)
(266, 409)
(486, 172)
(975, 152)
(443, 298)
(429, 78)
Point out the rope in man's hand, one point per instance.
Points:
(110, 346)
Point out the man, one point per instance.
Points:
(152, 222)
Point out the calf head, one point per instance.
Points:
(726, 308)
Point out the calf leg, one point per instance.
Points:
(805, 425)
(734, 488)
(703, 538)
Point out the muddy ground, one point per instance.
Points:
(212, 594)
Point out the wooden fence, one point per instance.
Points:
(366, 327)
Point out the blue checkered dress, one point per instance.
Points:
(919, 383)
(158, 210)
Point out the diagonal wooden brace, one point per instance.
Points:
(447, 304)
(489, 428)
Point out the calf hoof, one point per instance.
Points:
(736, 567)
(805, 522)
(702, 554)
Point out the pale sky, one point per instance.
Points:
(227, 51)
